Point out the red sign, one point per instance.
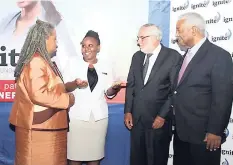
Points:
(7, 90)
(119, 99)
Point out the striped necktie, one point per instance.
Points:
(146, 65)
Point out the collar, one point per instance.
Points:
(157, 50)
(196, 47)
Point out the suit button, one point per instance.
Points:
(175, 92)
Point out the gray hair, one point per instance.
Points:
(195, 19)
(156, 31)
(35, 42)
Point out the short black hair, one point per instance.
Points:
(94, 35)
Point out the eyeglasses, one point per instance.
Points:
(142, 37)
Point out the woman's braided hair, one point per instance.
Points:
(35, 42)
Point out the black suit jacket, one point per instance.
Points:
(203, 98)
(152, 99)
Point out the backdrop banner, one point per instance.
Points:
(116, 21)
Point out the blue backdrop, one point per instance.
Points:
(117, 144)
(159, 14)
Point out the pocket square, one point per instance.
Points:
(104, 73)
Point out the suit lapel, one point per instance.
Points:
(195, 60)
(158, 62)
(141, 62)
(177, 74)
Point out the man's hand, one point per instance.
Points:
(158, 122)
(114, 89)
(129, 120)
(213, 142)
(81, 83)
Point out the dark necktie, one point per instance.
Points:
(146, 65)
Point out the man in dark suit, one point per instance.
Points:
(202, 97)
(147, 104)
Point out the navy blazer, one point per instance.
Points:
(152, 99)
(203, 98)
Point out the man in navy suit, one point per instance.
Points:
(203, 94)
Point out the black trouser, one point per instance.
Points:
(194, 154)
(150, 146)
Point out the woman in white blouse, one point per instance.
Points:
(90, 80)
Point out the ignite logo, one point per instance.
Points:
(231, 120)
(224, 2)
(227, 19)
(227, 152)
(224, 37)
(225, 162)
(216, 19)
(200, 5)
(182, 7)
(227, 132)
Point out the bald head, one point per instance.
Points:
(149, 37)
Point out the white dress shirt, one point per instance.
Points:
(152, 60)
(87, 102)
